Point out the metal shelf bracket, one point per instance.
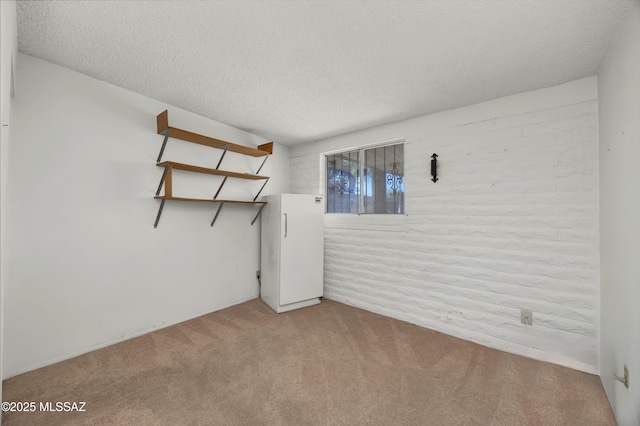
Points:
(258, 214)
(164, 176)
(226, 148)
(155, 225)
(220, 187)
(265, 184)
(164, 144)
(217, 213)
(265, 160)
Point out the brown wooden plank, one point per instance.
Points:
(201, 200)
(218, 172)
(162, 121)
(163, 124)
(214, 143)
(267, 147)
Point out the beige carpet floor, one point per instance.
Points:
(329, 364)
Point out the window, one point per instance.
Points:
(366, 180)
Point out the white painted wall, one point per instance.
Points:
(8, 45)
(87, 268)
(619, 113)
(512, 223)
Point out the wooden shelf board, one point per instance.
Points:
(201, 200)
(174, 132)
(198, 169)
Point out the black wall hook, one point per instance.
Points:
(434, 167)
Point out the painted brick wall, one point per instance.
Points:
(304, 174)
(512, 223)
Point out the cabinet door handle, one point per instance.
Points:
(286, 221)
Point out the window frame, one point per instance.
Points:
(361, 166)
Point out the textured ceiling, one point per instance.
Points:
(300, 71)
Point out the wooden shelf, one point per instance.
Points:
(197, 169)
(174, 132)
(169, 166)
(206, 200)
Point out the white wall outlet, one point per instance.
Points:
(526, 316)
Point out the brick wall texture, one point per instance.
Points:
(511, 224)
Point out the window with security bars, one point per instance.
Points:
(367, 180)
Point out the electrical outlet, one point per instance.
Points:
(526, 316)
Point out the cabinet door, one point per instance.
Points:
(302, 248)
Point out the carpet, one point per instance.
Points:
(329, 364)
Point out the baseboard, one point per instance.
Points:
(125, 337)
